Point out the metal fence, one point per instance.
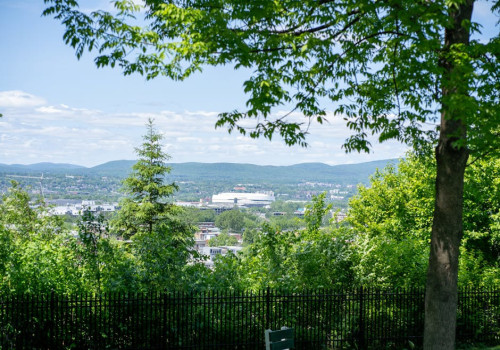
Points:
(321, 319)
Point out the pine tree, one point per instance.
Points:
(146, 204)
(162, 241)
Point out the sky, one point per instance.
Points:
(63, 110)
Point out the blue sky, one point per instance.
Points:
(59, 109)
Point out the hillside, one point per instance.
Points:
(234, 172)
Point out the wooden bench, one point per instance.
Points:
(280, 340)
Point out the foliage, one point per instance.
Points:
(286, 207)
(105, 263)
(264, 263)
(163, 254)
(145, 205)
(249, 235)
(17, 213)
(381, 63)
(480, 252)
(223, 239)
(45, 264)
(161, 240)
(91, 230)
(227, 273)
(37, 254)
(392, 221)
(193, 216)
(296, 259)
(42, 257)
(235, 220)
(6, 247)
(286, 222)
(385, 243)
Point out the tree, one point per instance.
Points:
(392, 221)
(480, 251)
(16, 211)
(313, 257)
(146, 203)
(249, 235)
(194, 216)
(104, 261)
(389, 67)
(232, 220)
(223, 239)
(163, 255)
(91, 230)
(36, 254)
(161, 241)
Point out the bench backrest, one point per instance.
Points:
(279, 340)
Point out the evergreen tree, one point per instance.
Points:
(161, 240)
(146, 203)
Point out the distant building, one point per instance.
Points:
(212, 252)
(207, 231)
(244, 199)
(300, 212)
(199, 244)
(76, 209)
(197, 204)
(340, 216)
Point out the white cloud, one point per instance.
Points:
(189, 140)
(50, 110)
(19, 99)
(62, 133)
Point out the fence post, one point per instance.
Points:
(361, 331)
(268, 308)
(52, 314)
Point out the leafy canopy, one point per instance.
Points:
(312, 257)
(392, 218)
(378, 64)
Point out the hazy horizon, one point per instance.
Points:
(170, 162)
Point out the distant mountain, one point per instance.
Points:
(119, 168)
(40, 168)
(236, 172)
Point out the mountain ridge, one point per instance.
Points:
(241, 172)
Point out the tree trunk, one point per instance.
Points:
(451, 158)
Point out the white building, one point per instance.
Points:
(76, 209)
(212, 252)
(244, 199)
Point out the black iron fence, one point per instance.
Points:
(321, 319)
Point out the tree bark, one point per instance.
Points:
(447, 229)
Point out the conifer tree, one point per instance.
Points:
(146, 204)
(162, 240)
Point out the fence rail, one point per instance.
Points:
(321, 319)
